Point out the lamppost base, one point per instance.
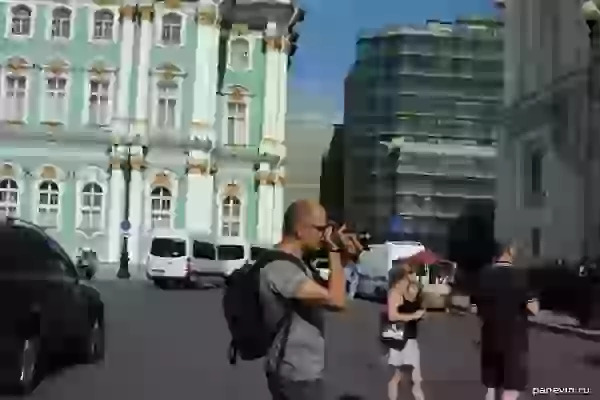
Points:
(123, 273)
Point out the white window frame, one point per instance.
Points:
(92, 24)
(48, 207)
(5, 205)
(228, 98)
(50, 18)
(87, 212)
(45, 101)
(229, 220)
(5, 74)
(178, 100)
(161, 213)
(8, 20)
(110, 78)
(159, 28)
(250, 44)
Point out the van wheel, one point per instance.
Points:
(160, 284)
(27, 367)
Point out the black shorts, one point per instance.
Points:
(504, 369)
(285, 389)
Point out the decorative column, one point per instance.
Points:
(200, 181)
(271, 97)
(282, 82)
(121, 121)
(276, 180)
(265, 205)
(136, 207)
(116, 212)
(145, 16)
(199, 197)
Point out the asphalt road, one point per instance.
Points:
(172, 345)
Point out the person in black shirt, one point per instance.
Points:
(503, 302)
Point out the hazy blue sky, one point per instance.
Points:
(328, 35)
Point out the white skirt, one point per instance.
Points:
(409, 355)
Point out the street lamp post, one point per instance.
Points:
(591, 13)
(123, 272)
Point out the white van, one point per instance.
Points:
(375, 264)
(169, 258)
(218, 257)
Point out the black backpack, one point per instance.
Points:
(251, 337)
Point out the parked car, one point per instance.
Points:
(46, 310)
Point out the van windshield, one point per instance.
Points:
(230, 252)
(168, 247)
(256, 252)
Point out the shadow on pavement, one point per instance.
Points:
(592, 360)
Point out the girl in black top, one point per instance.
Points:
(404, 304)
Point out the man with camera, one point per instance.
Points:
(296, 358)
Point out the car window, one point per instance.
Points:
(204, 250)
(168, 247)
(230, 252)
(13, 251)
(256, 252)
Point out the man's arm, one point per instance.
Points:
(291, 282)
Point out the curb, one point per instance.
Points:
(580, 333)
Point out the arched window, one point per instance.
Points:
(103, 25)
(91, 206)
(21, 21)
(239, 54)
(56, 102)
(172, 25)
(161, 203)
(231, 213)
(9, 197)
(48, 204)
(61, 23)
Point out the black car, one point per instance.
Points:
(47, 313)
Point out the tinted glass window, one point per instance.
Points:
(204, 250)
(167, 247)
(256, 252)
(230, 252)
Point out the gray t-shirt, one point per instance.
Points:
(304, 354)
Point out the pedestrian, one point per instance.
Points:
(296, 358)
(504, 302)
(404, 305)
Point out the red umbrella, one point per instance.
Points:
(425, 256)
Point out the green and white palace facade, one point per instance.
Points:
(183, 101)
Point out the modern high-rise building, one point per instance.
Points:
(118, 117)
(548, 192)
(421, 118)
(331, 193)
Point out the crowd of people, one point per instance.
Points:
(275, 309)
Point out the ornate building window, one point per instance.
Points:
(9, 197)
(237, 119)
(48, 204)
(61, 23)
(56, 99)
(161, 207)
(172, 27)
(231, 216)
(167, 104)
(99, 101)
(21, 21)
(91, 206)
(104, 21)
(15, 97)
(239, 54)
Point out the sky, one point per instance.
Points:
(328, 35)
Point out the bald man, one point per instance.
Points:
(296, 360)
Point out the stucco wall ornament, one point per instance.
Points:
(207, 16)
